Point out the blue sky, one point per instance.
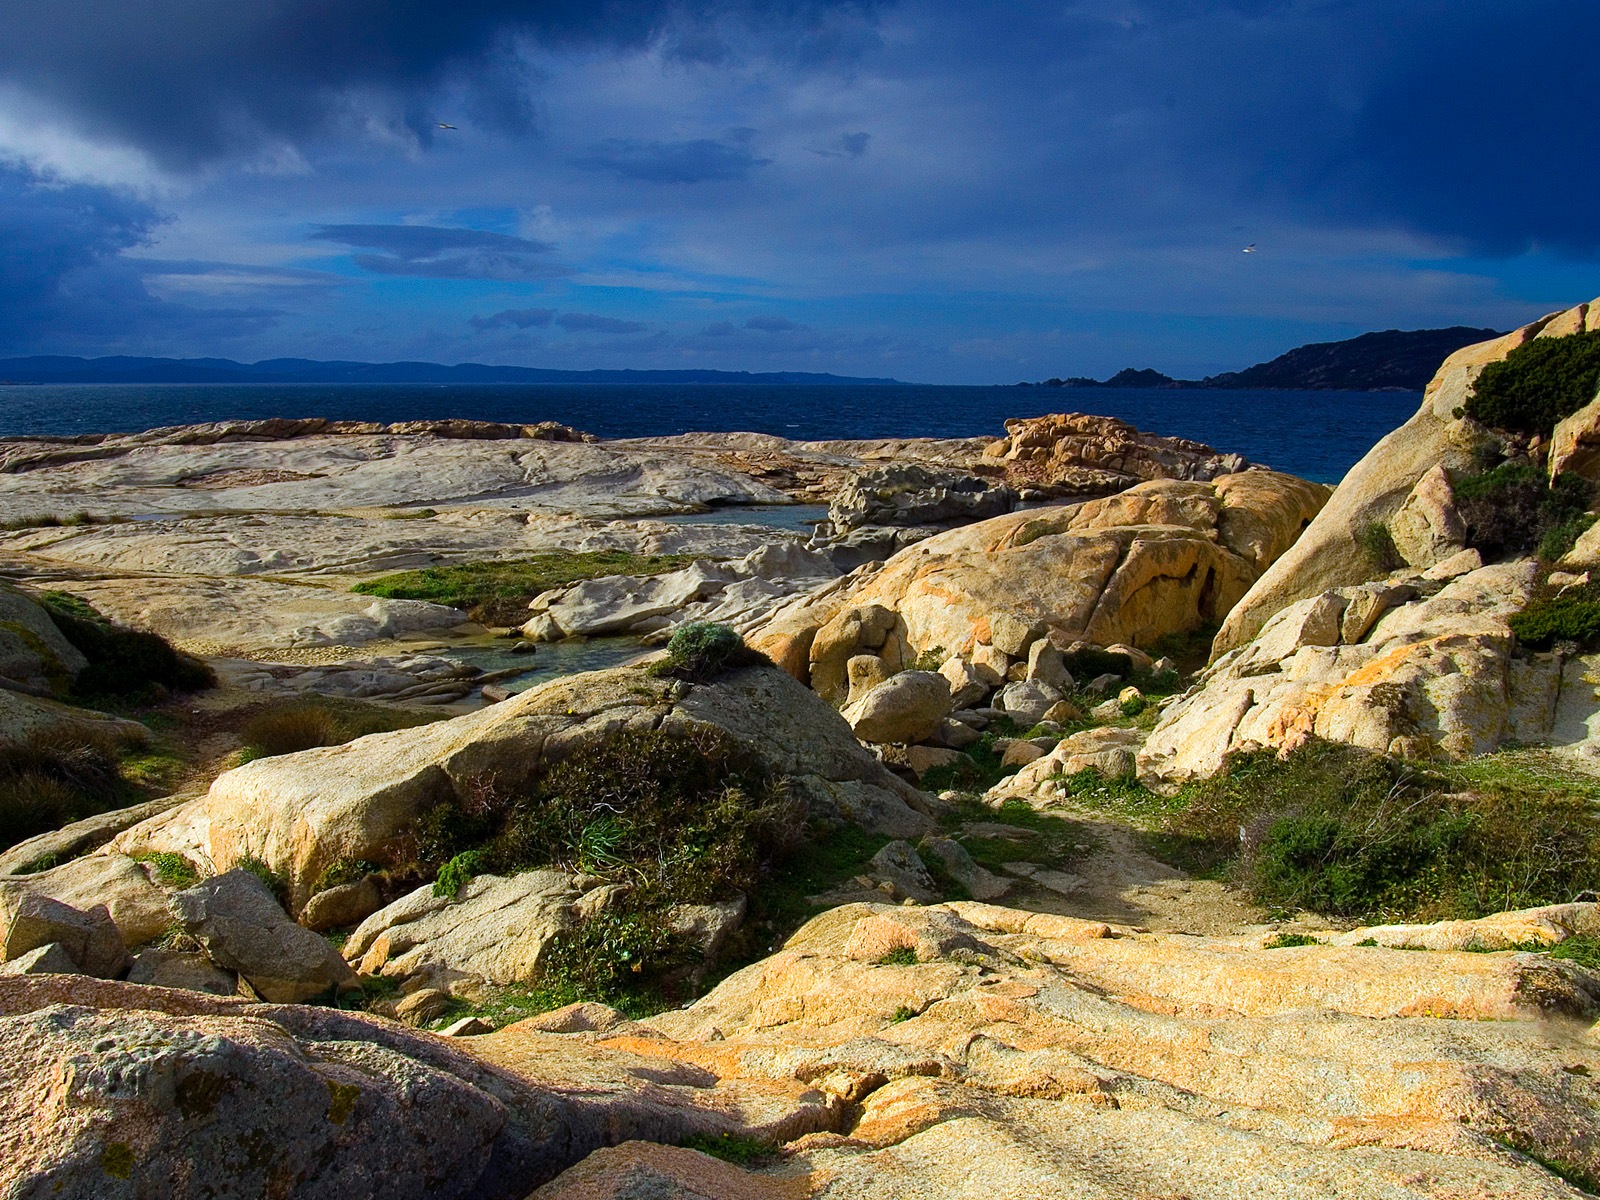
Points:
(938, 191)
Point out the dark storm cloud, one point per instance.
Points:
(64, 282)
(192, 80)
(594, 323)
(699, 161)
(515, 318)
(436, 252)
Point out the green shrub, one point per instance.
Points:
(1132, 706)
(1343, 831)
(1511, 509)
(128, 665)
(1537, 384)
(701, 650)
(345, 870)
(1557, 541)
(902, 956)
(458, 872)
(930, 659)
(979, 768)
(1572, 617)
(497, 593)
(1377, 543)
(51, 778)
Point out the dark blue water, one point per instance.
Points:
(1318, 435)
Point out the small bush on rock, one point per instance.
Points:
(1537, 384)
(702, 650)
(1572, 617)
(1377, 543)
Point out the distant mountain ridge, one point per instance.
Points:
(1393, 360)
(122, 369)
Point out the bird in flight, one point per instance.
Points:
(442, 125)
(1250, 249)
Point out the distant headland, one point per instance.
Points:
(1393, 360)
(123, 369)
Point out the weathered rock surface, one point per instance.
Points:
(733, 593)
(497, 930)
(242, 929)
(302, 813)
(1386, 666)
(1164, 557)
(82, 836)
(137, 906)
(1081, 455)
(913, 494)
(88, 937)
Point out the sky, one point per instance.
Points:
(933, 190)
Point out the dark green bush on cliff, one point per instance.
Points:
(1512, 509)
(1537, 384)
(128, 665)
(1571, 617)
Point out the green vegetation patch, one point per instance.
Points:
(731, 1147)
(1573, 616)
(1537, 384)
(1377, 543)
(1284, 941)
(1343, 831)
(497, 593)
(125, 665)
(682, 816)
(172, 869)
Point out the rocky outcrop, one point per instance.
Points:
(734, 593)
(1334, 550)
(1413, 668)
(910, 494)
(34, 654)
(1081, 455)
(1161, 558)
(302, 813)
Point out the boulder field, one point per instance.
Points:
(952, 1051)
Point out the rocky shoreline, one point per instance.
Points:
(931, 777)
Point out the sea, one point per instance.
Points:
(1314, 434)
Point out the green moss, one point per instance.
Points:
(1537, 384)
(904, 956)
(117, 1160)
(497, 593)
(173, 870)
(342, 1098)
(458, 872)
(1284, 940)
(731, 1147)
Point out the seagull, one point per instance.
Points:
(1250, 249)
(442, 125)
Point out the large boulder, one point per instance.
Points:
(1333, 552)
(1164, 557)
(243, 929)
(88, 936)
(123, 886)
(907, 707)
(1082, 455)
(304, 813)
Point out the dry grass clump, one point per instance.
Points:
(51, 778)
